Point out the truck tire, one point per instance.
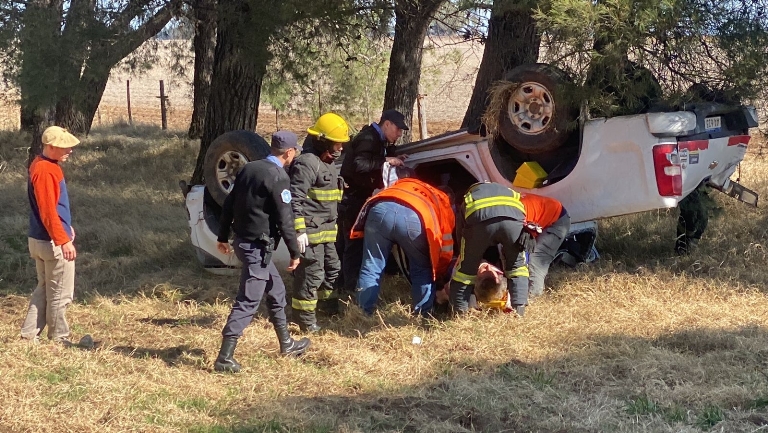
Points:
(540, 114)
(228, 153)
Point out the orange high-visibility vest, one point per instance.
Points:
(434, 210)
(540, 210)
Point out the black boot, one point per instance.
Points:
(225, 361)
(307, 322)
(289, 346)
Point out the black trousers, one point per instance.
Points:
(313, 281)
(258, 277)
(352, 257)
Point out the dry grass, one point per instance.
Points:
(640, 341)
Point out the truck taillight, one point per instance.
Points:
(669, 173)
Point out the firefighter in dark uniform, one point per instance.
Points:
(259, 212)
(364, 158)
(491, 214)
(316, 191)
(693, 219)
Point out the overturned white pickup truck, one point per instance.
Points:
(606, 167)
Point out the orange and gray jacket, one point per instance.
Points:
(50, 218)
(434, 209)
(316, 193)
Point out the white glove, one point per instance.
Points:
(303, 241)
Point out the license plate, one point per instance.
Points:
(712, 123)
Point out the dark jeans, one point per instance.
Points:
(547, 244)
(390, 223)
(257, 278)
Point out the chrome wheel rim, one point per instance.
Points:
(531, 108)
(227, 167)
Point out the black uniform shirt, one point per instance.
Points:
(259, 206)
(364, 157)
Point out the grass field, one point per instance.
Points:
(640, 341)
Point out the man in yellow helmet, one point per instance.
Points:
(316, 189)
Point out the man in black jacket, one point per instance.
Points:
(364, 158)
(259, 212)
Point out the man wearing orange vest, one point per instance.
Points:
(548, 222)
(418, 218)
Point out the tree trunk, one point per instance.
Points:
(92, 86)
(68, 68)
(69, 117)
(205, 47)
(412, 18)
(35, 122)
(513, 40)
(235, 92)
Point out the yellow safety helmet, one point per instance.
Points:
(331, 127)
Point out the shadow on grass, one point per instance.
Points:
(172, 356)
(696, 380)
(199, 321)
(128, 213)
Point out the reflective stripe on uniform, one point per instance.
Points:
(324, 194)
(322, 295)
(299, 224)
(461, 277)
(322, 237)
(464, 278)
(298, 304)
(474, 205)
(522, 271)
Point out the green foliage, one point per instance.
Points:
(54, 377)
(338, 65)
(642, 406)
(710, 416)
(59, 54)
(759, 403)
(616, 45)
(675, 413)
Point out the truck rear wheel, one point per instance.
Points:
(540, 115)
(228, 153)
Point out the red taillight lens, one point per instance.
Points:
(669, 173)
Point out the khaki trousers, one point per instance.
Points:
(54, 292)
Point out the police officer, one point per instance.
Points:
(491, 214)
(316, 192)
(259, 212)
(364, 158)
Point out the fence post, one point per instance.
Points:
(422, 114)
(163, 114)
(128, 97)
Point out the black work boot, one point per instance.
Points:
(307, 322)
(225, 362)
(313, 328)
(289, 346)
